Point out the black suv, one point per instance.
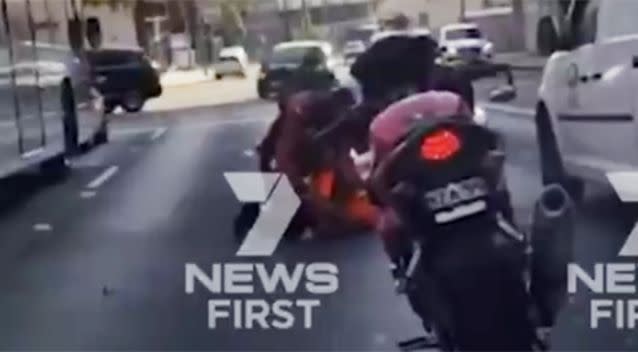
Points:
(288, 58)
(125, 77)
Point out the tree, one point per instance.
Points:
(233, 13)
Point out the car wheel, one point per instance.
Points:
(552, 168)
(109, 106)
(133, 102)
(69, 119)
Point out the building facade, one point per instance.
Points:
(435, 13)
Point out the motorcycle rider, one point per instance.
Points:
(319, 169)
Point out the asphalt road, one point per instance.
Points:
(96, 260)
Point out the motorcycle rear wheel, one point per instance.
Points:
(475, 296)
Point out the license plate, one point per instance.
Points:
(460, 212)
(458, 199)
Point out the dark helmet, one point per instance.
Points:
(395, 61)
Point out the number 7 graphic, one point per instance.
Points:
(626, 186)
(279, 203)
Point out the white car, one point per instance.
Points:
(464, 42)
(352, 49)
(232, 61)
(587, 113)
(412, 32)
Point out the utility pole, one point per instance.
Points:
(187, 30)
(518, 20)
(462, 11)
(305, 21)
(49, 22)
(285, 14)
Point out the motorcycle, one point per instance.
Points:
(468, 275)
(325, 183)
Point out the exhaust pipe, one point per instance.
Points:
(552, 240)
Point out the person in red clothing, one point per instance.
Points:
(319, 168)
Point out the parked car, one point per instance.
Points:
(49, 108)
(287, 57)
(125, 77)
(464, 42)
(232, 61)
(587, 113)
(412, 32)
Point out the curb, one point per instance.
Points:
(186, 82)
(189, 83)
(521, 67)
(508, 109)
(247, 102)
(527, 68)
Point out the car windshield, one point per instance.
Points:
(228, 58)
(296, 55)
(466, 33)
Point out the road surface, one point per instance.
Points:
(96, 260)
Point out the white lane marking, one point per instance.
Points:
(32, 153)
(249, 153)
(42, 227)
(131, 131)
(508, 109)
(103, 178)
(87, 194)
(214, 124)
(158, 133)
(126, 131)
(380, 339)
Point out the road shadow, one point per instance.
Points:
(16, 190)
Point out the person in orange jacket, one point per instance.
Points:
(319, 169)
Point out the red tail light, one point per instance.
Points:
(440, 145)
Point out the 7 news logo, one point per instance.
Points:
(613, 286)
(279, 203)
(230, 283)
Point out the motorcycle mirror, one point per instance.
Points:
(503, 94)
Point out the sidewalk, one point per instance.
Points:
(523, 61)
(180, 78)
(176, 78)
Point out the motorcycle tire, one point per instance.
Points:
(475, 294)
